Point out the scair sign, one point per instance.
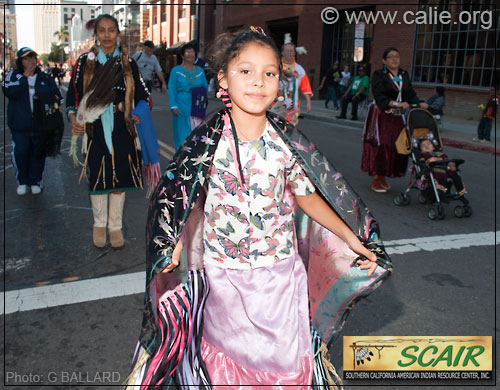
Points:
(416, 358)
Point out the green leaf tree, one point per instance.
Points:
(62, 35)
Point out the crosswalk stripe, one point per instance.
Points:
(42, 297)
(166, 146)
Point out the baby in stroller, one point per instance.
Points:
(442, 169)
(432, 173)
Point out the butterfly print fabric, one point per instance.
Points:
(244, 226)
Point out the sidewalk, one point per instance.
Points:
(455, 132)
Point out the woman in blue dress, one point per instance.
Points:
(183, 78)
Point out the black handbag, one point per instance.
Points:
(48, 116)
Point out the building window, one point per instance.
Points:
(155, 19)
(72, 10)
(65, 9)
(457, 53)
(181, 13)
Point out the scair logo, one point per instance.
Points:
(449, 356)
(418, 357)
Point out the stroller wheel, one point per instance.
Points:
(432, 213)
(467, 211)
(422, 199)
(441, 213)
(459, 211)
(406, 199)
(398, 200)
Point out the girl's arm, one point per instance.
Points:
(316, 208)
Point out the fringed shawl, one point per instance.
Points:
(176, 209)
(88, 74)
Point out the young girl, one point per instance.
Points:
(230, 198)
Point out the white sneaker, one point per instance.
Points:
(475, 139)
(35, 190)
(22, 189)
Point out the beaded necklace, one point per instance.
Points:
(190, 79)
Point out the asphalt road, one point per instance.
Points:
(447, 289)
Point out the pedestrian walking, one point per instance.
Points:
(296, 81)
(56, 74)
(393, 93)
(487, 117)
(187, 92)
(148, 64)
(332, 79)
(112, 161)
(228, 201)
(22, 87)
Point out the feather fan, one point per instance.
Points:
(100, 92)
(98, 96)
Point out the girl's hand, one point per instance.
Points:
(370, 262)
(136, 119)
(175, 111)
(176, 255)
(404, 105)
(371, 266)
(424, 105)
(76, 127)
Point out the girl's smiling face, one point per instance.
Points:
(252, 79)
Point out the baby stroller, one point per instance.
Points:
(419, 124)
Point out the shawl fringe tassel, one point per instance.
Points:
(323, 368)
(176, 360)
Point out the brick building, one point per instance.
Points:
(455, 52)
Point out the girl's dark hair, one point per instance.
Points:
(19, 62)
(388, 50)
(186, 47)
(102, 17)
(440, 91)
(228, 46)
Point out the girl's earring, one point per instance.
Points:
(118, 41)
(281, 98)
(97, 42)
(224, 96)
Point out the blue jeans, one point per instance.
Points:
(332, 95)
(484, 129)
(342, 89)
(29, 168)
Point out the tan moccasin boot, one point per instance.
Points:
(100, 211)
(99, 237)
(116, 202)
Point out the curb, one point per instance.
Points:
(472, 146)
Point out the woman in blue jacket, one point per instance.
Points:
(20, 86)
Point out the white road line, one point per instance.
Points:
(134, 283)
(454, 241)
(73, 292)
